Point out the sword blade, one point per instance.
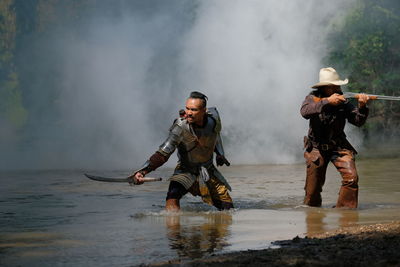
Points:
(107, 179)
(118, 180)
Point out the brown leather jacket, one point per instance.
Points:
(327, 122)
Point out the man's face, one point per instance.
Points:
(195, 111)
(331, 89)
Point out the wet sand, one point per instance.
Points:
(362, 245)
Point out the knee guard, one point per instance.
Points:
(176, 190)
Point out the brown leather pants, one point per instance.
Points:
(317, 163)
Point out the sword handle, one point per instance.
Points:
(151, 179)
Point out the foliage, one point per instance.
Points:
(367, 47)
(11, 108)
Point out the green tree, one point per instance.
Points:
(366, 46)
(12, 111)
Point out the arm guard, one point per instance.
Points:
(173, 140)
(155, 161)
(165, 150)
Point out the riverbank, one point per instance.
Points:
(362, 245)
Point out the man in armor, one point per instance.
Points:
(197, 137)
(328, 110)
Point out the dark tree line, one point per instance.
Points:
(366, 46)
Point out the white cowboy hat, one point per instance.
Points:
(329, 76)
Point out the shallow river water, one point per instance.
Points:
(61, 218)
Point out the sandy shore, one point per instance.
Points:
(364, 245)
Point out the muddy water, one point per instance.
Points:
(52, 218)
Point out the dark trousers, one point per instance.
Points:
(317, 162)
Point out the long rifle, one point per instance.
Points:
(372, 97)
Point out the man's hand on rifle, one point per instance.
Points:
(362, 100)
(336, 99)
(221, 160)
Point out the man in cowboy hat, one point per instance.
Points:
(327, 110)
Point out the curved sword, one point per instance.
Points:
(118, 180)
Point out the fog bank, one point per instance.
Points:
(123, 78)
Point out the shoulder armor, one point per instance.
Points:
(178, 126)
(175, 129)
(174, 137)
(213, 113)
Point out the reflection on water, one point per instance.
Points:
(321, 220)
(52, 218)
(198, 239)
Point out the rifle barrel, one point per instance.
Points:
(373, 97)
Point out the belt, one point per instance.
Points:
(326, 147)
(195, 168)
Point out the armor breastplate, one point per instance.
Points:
(195, 144)
(198, 144)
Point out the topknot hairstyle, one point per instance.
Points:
(199, 95)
